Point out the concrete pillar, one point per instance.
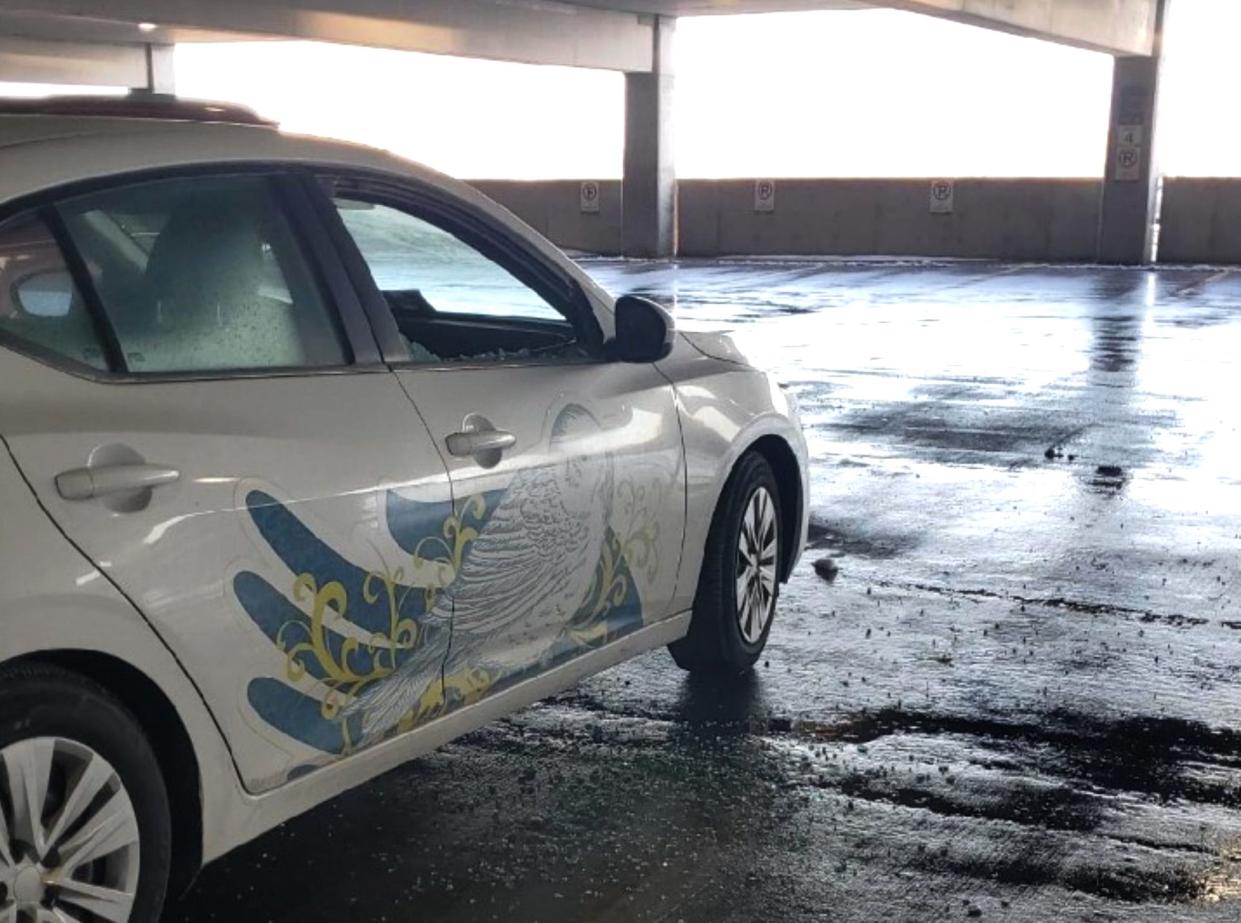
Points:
(649, 189)
(1128, 212)
(160, 70)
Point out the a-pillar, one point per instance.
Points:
(649, 188)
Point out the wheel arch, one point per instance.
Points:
(783, 460)
(169, 738)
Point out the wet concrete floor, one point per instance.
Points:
(1019, 699)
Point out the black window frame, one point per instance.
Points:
(315, 247)
(471, 225)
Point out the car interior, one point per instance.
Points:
(204, 274)
(451, 302)
(460, 337)
(196, 278)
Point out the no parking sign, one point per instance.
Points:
(1129, 153)
(764, 195)
(943, 196)
(589, 196)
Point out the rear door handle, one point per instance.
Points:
(88, 483)
(479, 442)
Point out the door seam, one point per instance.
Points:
(452, 494)
(676, 409)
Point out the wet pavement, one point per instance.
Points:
(1018, 698)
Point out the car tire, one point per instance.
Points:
(71, 749)
(740, 579)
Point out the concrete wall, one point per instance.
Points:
(1201, 221)
(1002, 219)
(553, 207)
(1017, 219)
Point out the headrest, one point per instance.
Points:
(207, 260)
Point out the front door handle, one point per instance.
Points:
(480, 442)
(89, 483)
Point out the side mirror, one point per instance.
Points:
(644, 331)
(45, 294)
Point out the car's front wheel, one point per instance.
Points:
(85, 833)
(740, 579)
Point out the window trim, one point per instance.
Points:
(114, 355)
(339, 295)
(474, 228)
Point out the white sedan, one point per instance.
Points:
(314, 460)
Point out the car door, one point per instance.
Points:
(567, 467)
(197, 401)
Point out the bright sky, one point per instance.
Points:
(1199, 133)
(865, 93)
(875, 93)
(470, 118)
(883, 93)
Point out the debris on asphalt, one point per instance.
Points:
(826, 568)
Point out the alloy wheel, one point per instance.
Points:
(69, 849)
(757, 548)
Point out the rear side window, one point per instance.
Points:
(203, 274)
(39, 304)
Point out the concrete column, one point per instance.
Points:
(649, 189)
(1128, 212)
(160, 70)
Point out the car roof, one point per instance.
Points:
(24, 125)
(48, 144)
(135, 105)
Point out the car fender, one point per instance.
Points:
(725, 408)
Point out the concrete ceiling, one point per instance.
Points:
(711, 7)
(45, 39)
(1113, 26)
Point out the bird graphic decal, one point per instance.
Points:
(527, 573)
(534, 575)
